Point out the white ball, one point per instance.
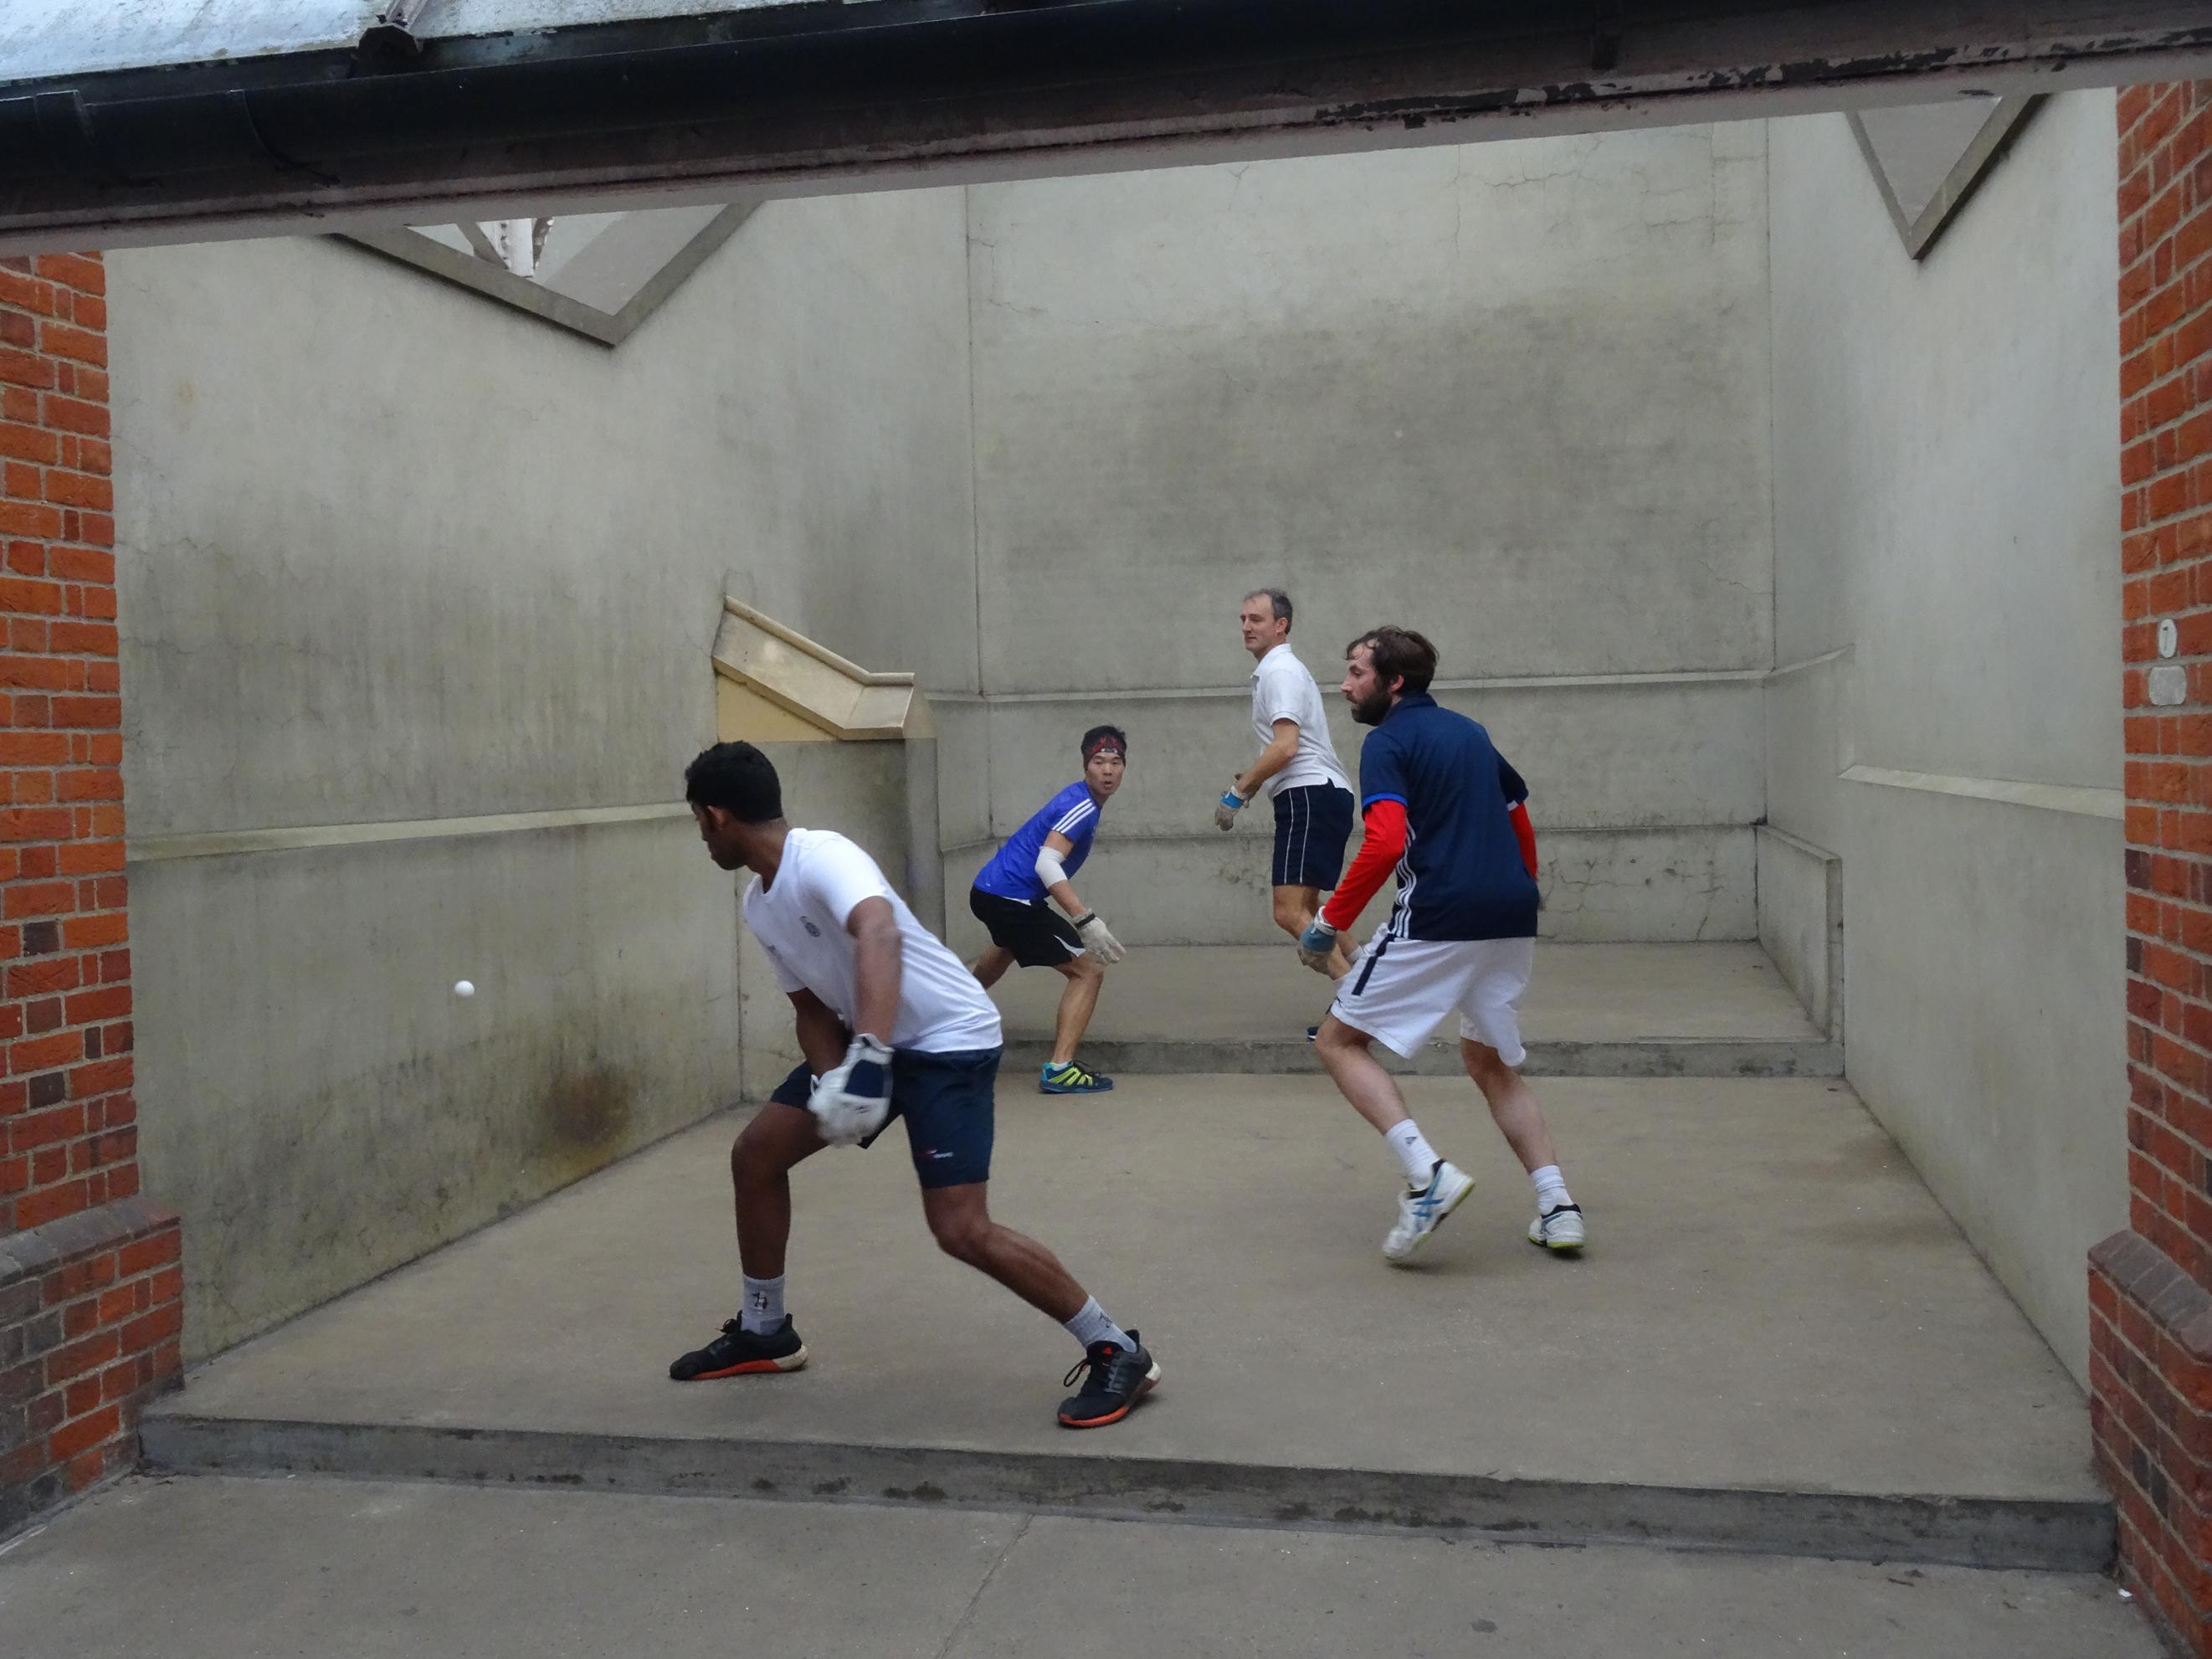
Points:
(463, 988)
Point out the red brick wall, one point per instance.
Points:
(91, 1323)
(2150, 1313)
(89, 1294)
(65, 1011)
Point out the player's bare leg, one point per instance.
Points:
(1295, 909)
(990, 967)
(1079, 999)
(1434, 1187)
(960, 1221)
(1117, 1371)
(778, 1139)
(762, 1340)
(1512, 1105)
(1348, 1056)
(1558, 1225)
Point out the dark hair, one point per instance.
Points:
(1090, 740)
(1279, 600)
(737, 778)
(1399, 651)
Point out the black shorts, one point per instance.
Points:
(1312, 824)
(1038, 935)
(947, 1100)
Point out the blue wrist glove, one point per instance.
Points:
(1317, 945)
(1225, 815)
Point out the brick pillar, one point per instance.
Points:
(91, 1293)
(2150, 1287)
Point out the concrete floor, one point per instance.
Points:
(1772, 1301)
(229, 1568)
(1580, 993)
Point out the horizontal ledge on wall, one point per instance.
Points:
(1798, 844)
(1259, 835)
(2083, 801)
(1803, 664)
(228, 843)
(1520, 683)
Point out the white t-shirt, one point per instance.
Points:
(800, 922)
(1283, 691)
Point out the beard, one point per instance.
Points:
(1370, 709)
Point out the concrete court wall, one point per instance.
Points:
(1515, 393)
(392, 555)
(1946, 598)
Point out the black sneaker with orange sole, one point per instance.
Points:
(740, 1352)
(1115, 1379)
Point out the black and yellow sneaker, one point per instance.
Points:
(1118, 1378)
(740, 1352)
(1065, 1078)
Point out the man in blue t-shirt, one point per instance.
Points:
(1009, 899)
(1444, 809)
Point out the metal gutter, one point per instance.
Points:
(802, 98)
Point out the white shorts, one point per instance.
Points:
(1399, 990)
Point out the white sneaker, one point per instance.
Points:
(1559, 1229)
(1420, 1211)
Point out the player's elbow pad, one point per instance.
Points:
(1049, 870)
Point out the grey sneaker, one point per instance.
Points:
(1559, 1229)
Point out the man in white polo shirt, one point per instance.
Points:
(891, 1024)
(1297, 769)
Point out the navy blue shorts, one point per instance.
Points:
(947, 1102)
(1312, 824)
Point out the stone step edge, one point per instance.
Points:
(1716, 1057)
(2027, 1534)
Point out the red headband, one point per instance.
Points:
(1104, 740)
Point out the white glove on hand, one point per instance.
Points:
(1225, 815)
(853, 1100)
(1097, 944)
(1316, 944)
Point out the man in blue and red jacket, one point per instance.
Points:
(1443, 809)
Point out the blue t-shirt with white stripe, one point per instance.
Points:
(1462, 877)
(1013, 873)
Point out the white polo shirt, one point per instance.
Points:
(1282, 690)
(800, 922)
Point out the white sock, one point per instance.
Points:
(1413, 1151)
(1551, 1189)
(1090, 1325)
(763, 1305)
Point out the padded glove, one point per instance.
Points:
(853, 1100)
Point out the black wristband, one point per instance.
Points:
(1088, 915)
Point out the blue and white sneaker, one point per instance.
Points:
(1069, 1079)
(1420, 1210)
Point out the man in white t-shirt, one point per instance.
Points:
(892, 1024)
(1297, 769)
